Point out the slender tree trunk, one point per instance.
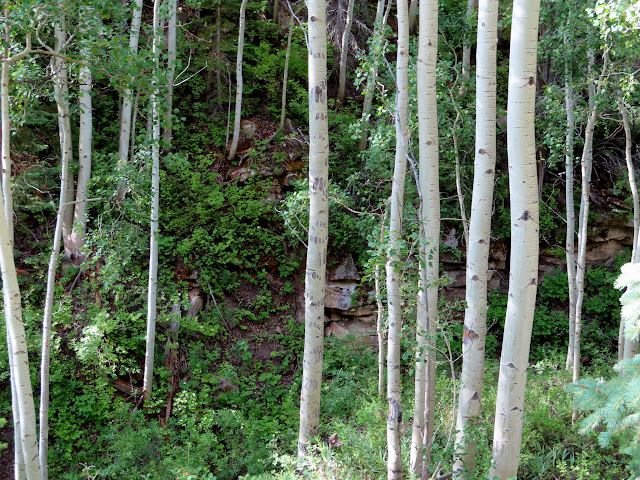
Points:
(466, 47)
(380, 317)
(475, 315)
(155, 211)
(236, 125)
(631, 347)
(344, 54)
(394, 300)
(371, 79)
(523, 187)
(18, 457)
(85, 140)
(318, 223)
(125, 114)
(171, 72)
(276, 9)
(570, 247)
(65, 139)
(586, 166)
(286, 77)
(424, 405)
(22, 394)
(7, 188)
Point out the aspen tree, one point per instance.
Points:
(630, 347)
(344, 52)
(238, 111)
(59, 73)
(155, 211)
(318, 224)
(171, 71)
(523, 275)
(586, 162)
(394, 300)
(571, 215)
(475, 315)
(127, 104)
(429, 191)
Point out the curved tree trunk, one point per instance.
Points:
(427, 301)
(238, 112)
(318, 223)
(155, 211)
(63, 112)
(475, 315)
(523, 187)
(394, 300)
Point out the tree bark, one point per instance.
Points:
(380, 317)
(427, 301)
(125, 113)
(60, 92)
(475, 315)
(155, 211)
(585, 166)
(394, 300)
(7, 187)
(238, 112)
(318, 223)
(344, 53)
(523, 187)
(631, 346)
(466, 47)
(171, 72)
(570, 247)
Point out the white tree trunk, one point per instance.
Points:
(127, 105)
(413, 15)
(394, 300)
(155, 211)
(371, 78)
(57, 68)
(475, 315)
(85, 141)
(523, 187)
(586, 166)
(631, 347)
(171, 71)
(6, 139)
(570, 247)
(238, 112)
(318, 225)
(427, 301)
(344, 53)
(380, 318)
(22, 394)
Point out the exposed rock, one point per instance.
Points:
(248, 127)
(365, 333)
(196, 302)
(360, 311)
(603, 252)
(338, 295)
(345, 271)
